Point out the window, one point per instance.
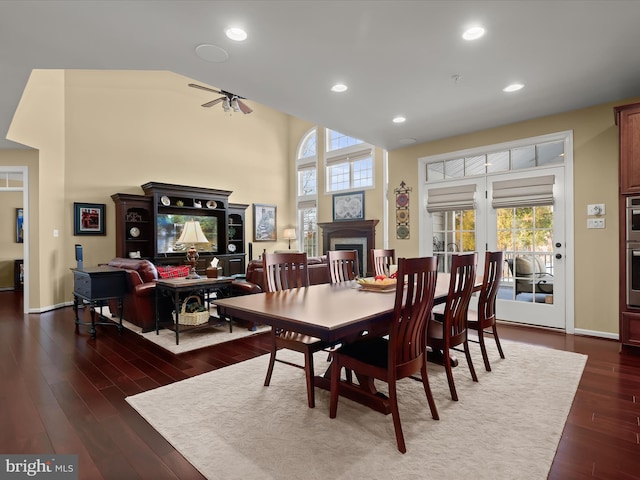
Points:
(307, 192)
(453, 232)
(338, 141)
(517, 158)
(349, 163)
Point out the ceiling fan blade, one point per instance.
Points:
(205, 88)
(244, 108)
(213, 102)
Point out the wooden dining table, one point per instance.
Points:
(330, 312)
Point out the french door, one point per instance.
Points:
(533, 238)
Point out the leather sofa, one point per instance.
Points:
(254, 283)
(139, 304)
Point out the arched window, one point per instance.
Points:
(307, 193)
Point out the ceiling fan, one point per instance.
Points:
(230, 101)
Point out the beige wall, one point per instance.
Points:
(595, 181)
(100, 132)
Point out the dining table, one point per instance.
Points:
(330, 312)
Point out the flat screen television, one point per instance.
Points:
(169, 227)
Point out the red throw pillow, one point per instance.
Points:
(173, 272)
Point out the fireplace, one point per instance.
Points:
(351, 235)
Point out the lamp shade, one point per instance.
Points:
(192, 233)
(289, 233)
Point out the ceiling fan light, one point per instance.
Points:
(234, 105)
(226, 106)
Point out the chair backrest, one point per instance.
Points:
(490, 285)
(381, 259)
(412, 311)
(283, 271)
(343, 265)
(463, 277)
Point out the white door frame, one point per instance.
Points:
(425, 244)
(24, 170)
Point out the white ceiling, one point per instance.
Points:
(397, 57)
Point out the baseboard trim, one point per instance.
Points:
(596, 333)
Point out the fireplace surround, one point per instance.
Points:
(351, 235)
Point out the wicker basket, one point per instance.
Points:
(192, 318)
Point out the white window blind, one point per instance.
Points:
(523, 192)
(445, 199)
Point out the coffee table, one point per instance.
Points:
(180, 288)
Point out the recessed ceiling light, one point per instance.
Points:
(212, 53)
(514, 87)
(473, 33)
(236, 33)
(339, 87)
(399, 119)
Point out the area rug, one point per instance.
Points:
(506, 426)
(193, 339)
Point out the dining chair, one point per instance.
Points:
(485, 315)
(381, 258)
(284, 271)
(449, 326)
(403, 352)
(343, 265)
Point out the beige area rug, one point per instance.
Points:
(507, 426)
(194, 339)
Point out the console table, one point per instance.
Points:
(199, 286)
(97, 285)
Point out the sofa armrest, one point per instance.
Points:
(145, 289)
(244, 287)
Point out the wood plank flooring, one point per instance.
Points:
(62, 392)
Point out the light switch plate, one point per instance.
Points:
(596, 209)
(595, 223)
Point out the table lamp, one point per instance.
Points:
(192, 233)
(289, 234)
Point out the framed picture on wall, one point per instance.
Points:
(88, 218)
(348, 206)
(264, 223)
(19, 225)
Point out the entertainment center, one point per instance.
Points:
(148, 226)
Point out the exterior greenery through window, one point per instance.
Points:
(453, 232)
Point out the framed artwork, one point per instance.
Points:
(264, 223)
(348, 206)
(19, 225)
(88, 218)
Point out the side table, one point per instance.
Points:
(97, 285)
(198, 286)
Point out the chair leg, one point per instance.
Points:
(447, 368)
(467, 354)
(335, 388)
(272, 361)
(495, 335)
(395, 413)
(309, 373)
(483, 349)
(427, 390)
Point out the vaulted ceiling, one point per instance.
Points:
(398, 58)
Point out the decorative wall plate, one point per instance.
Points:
(134, 232)
(165, 200)
(211, 204)
(231, 248)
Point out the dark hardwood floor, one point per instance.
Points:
(62, 392)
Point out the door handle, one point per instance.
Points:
(558, 256)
